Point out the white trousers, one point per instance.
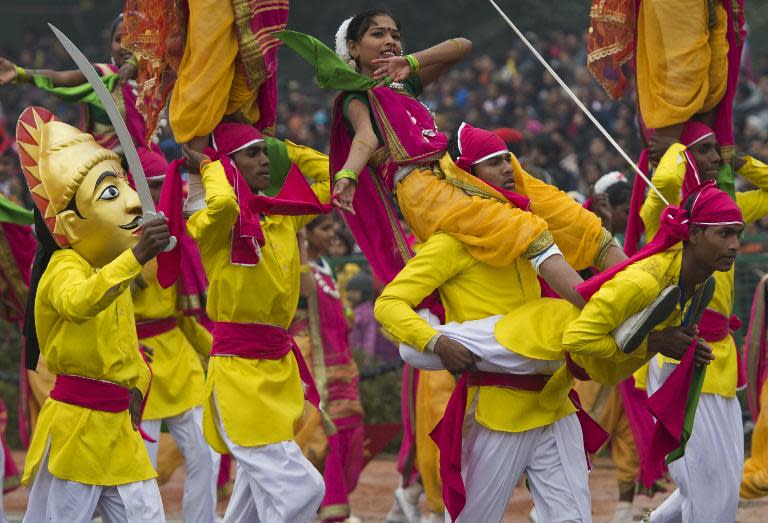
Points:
(552, 458)
(54, 500)
(202, 462)
(478, 337)
(709, 475)
(274, 483)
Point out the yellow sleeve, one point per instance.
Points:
(754, 204)
(77, 294)
(314, 165)
(221, 209)
(618, 299)
(438, 259)
(197, 335)
(668, 179)
(577, 232)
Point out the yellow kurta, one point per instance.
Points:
(469, 290)
(722, 373)
(85, 326)
(682, 63)
(250, 391)
(178, 381)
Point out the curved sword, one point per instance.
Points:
(126, 142)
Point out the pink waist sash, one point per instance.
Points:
(150, 328)
(90, 393)
(714, 326)
(447, 435)
(260, 341)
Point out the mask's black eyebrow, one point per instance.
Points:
(101, 177)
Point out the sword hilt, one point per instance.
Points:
(149, 215)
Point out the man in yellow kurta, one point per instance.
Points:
(717, 441)
(254, 393)
(176, 342)
(471, 290)
(86, 452)
(520, 343)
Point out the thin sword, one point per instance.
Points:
(578, 102)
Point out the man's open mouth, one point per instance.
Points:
(132, 225)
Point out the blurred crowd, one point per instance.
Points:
(552, 138)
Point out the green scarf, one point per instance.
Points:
(725, 180)
(330, 70)
(12, 213)
(279, 164)
(82, 93)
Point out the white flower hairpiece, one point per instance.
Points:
(341, 42)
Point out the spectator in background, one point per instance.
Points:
(366, 335)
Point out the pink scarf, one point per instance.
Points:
(295, 198)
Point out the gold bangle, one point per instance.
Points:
(413, 62)
(21, 74)
(304, 268)
(345, 174)
(459, 47)
(365, 143)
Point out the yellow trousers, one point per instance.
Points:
(432, 394)
(682, 62)
(208, 89)
(754, 484)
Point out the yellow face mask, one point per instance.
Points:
(106, 215)
(78, 186)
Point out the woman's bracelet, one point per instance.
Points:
(360, 140)
(413, 62)
(345, 174)
(21, 75)
(459, 47)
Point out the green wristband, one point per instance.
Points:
(413, 62)
(345, 174)
(21, 74)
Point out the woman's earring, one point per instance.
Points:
(352, 63)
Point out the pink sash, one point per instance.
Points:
(261, 341)
(151, 328)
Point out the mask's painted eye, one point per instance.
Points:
(109, 193)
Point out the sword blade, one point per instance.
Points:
(576, 100)
(126, 142)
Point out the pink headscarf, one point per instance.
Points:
(155, 165)
(477, 145)
(295, 198)
(710, 206)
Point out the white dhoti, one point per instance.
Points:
(273, 482)
(709, 475)
(54, 500)
(552, 457)
(478, 337)
(202, 462)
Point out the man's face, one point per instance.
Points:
(619, 217)
(109, 215)
(253, 164)
(706, 154)
(715, 247)
(497, 171)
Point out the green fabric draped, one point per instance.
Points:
(279, 164)
(82, 93)
(330, 70)
(12, 213)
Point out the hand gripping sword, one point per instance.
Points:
(126, 142)
(578, 102)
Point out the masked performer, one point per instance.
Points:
(255, 372)
(86, 452)
(718, 437)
